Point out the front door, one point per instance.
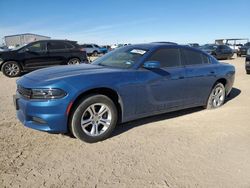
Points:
(36, 55)
(162, 89)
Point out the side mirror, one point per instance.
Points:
(27, 50)
(152, 65)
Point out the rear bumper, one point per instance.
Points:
(242, 52)
(248, 67)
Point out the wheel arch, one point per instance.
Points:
(111, 93)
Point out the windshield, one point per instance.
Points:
(124, 58)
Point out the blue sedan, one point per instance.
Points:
(131, 82)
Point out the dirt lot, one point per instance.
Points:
(190, 148)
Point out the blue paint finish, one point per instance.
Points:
(142, 92)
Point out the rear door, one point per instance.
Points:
(200, 76)
(58, 53)
(36, 55)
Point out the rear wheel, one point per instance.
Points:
(217, 96)
(94, 118)
(74, 61)
(95, 53)
(11, 69)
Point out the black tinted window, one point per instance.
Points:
(56, 46)
(68, 46)
(225, 47)
(167, 57)
(37, 47)
(192, 57)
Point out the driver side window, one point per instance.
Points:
(167, 57)
(37, 47)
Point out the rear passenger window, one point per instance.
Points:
(56, 46)
(167, 57)
(192, 57)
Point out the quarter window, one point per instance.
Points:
(166, 57)
(68, 46)
(192, 57)
(205, 59)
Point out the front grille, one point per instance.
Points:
(26, 93)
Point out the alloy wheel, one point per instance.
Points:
(218, 96)
(73, 61)
(96, 119)
(11, 69)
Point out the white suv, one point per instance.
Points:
(92, 49)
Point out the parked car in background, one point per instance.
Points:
(94, 49)
(41, 54)
(194, 45)
(243, 50)
(248, 61)
(218, 51)
(4, 48)
(125, 84)
(235, 47)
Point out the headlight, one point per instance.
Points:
(47, 93)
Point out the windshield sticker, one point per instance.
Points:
(138, 51)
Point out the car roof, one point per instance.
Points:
(56, 40)
(155, 45)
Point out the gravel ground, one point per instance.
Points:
(190, 148)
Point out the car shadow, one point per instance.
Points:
(233, 94)
(121, 128)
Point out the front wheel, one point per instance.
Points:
(217, 96)
(11, 69)
(94, 118)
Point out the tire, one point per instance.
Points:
(217, 96)
(90, 126)
(11, 69)
(248, 71)
(95, 53)
(73, 61)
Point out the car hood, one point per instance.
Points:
(62, 72)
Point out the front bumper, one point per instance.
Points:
(49, 116)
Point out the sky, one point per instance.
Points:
(127, 21)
